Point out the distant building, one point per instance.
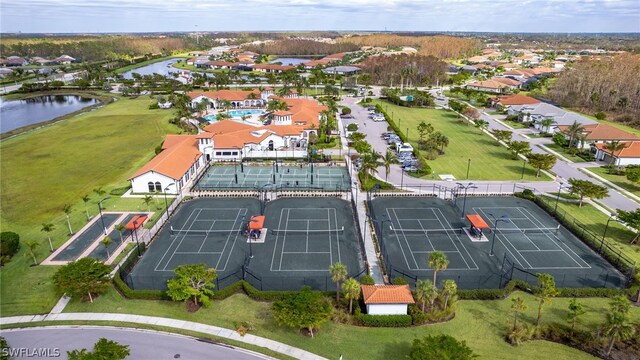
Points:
(341, 70)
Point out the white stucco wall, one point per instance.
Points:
(140, 184)
(387, 309)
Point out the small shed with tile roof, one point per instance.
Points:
(387, 299)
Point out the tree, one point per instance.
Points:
(449, 289)
(192, 282)
(147, 199)
(542, 162)
(614, 147)
(424, 129)
(106, 242)
(632, 219)
(86, 276)
(481, 124)
(546, 290)
(370, 163)
(48, 228)
(633, 174)
(618, 325)
(519, 147)
(31, 250)
(440, 347)
(66, 208)
(100, 192)
(518, 306)
(546, 123)
(503, 135)
(85, 200)
(9, 244)
(470, 112)
(338, 272)
(4, 349)
(573, 130)
(102, 350)
(437, 261)
(576, 309)
(586, 188)
(425, 292)
(120, 228)
(303, 309)
(388, 159)
(351, 289)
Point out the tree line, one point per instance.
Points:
(443, 47)
(300, 47)
(405, 70)
(602, 84)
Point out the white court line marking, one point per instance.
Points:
(335, 219)
(170, 245)
(427, 236)
(306, 252)
(284, 237)
(499, 236)
(453, 242)
(235, 239)
(275, 246)
(405, 240)
(197, 253)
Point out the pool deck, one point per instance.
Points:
(252, 120)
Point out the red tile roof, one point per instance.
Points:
(517, 99)
(231, 95)
(603, 132)
(273, 67)
(180, 152)
(631, 150)
(387, 294)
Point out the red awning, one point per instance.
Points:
(477, 221)
(138, 220)
(256, 223)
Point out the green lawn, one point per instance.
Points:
(46, 168)
(489, 160)
(596, 221)
(480, 323)
(619, 180)
(563, 151)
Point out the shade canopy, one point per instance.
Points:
(477, 221)
(136, 222)
(257, 222)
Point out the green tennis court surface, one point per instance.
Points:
(304, 237)
(238, 176)
(530, 242)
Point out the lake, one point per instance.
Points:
(19, 113)
(290, 61)
(161, 67)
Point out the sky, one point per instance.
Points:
(87, 16)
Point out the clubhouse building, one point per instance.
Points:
(184, 156)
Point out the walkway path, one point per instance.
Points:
(169, 323)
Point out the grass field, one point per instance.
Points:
(46, 168)
(596, 221)
(619, 180)
(563, 151)
(489, 161)
(480, 323)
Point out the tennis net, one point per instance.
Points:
(427, 232)
(201, 232)
(548, 230)
(307, 231)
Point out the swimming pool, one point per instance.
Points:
(235, 114)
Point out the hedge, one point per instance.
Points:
(384, 320)
(9, 243)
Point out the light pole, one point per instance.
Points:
(468, 168)
(166, 205)
(503, 218)
(555, 209)
(235, 170)
(135, 233)
(611, 217)
(104, 228)
(467, 187)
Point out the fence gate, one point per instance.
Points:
(506, 273)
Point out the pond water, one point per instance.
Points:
(18, 113)
(290, 61)
(161, 67)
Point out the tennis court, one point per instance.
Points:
(527, 241)
(240, 176)
(301, 239)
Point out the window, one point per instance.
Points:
(151, 187)
(235, 153)
(218, 153)
(226, 153)
(158, 186)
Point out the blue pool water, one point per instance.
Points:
(235, 114)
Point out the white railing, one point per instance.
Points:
(275, 154)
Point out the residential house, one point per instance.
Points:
(63, 60)
(15, 61)
(238, 98)
(219, 64)
(594, 134)
(504, 101)
(536, 112)
(341, 70)
(491, 86)
(630, 155)
(387, 299)
(478, 59)
(272, 68)
(315, 63)
(335, 57)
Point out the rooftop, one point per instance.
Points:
(387, 294)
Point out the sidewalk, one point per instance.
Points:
(170, 323)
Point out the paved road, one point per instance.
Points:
(142, 344)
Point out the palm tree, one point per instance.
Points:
(481, 124)
(106, 242)
(48, 228)
(573, 130)
(338, 272)
(437, 261)
(31, 250)
(370, 163)
(518, 306)
(546, 291)
(67, 211)
(618, 325)
(449, 289)
(546, 123)
(613, 146)
(388, 159)
(351, 288)
(85, 199)
(147, 199)
(120, 228)
(425, 292)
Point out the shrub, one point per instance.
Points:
(417, 316)
(346, 110)
(352, 127)
(399, 281)
(9, 244)
(518, 335)
(559, 139)
(600, 115)
(384, 320)
(440, 347)
(154, 106)
(367, 280)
